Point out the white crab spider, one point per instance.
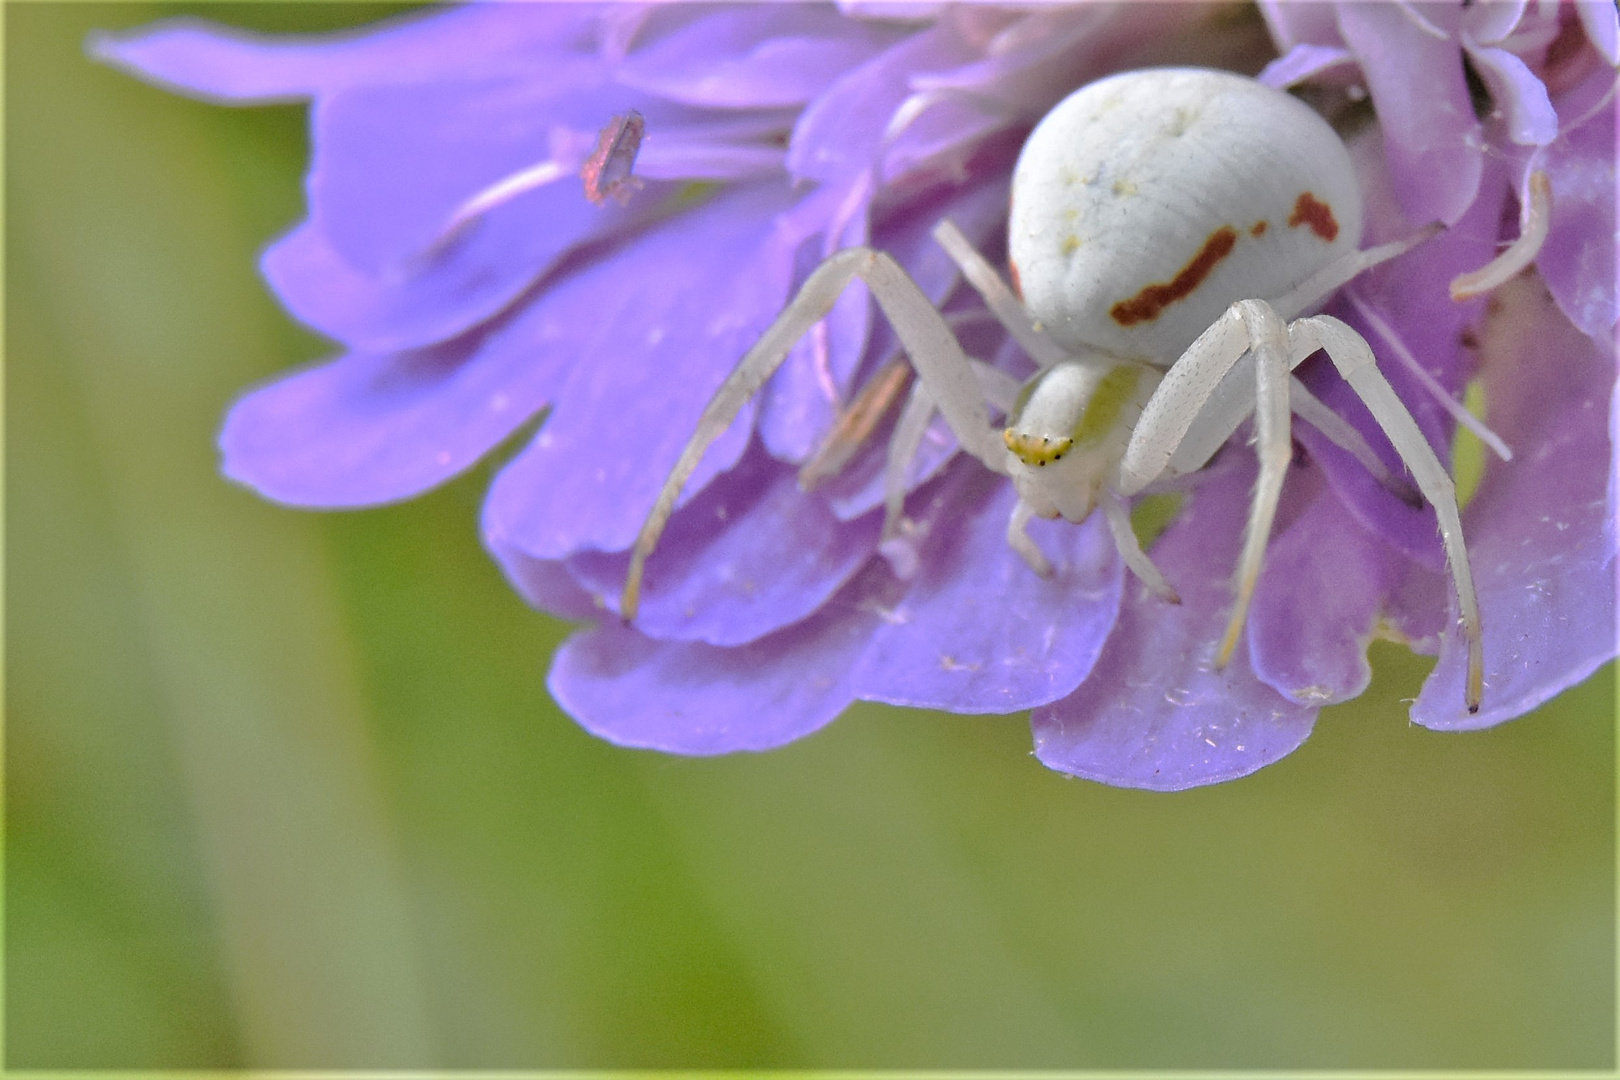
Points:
(1166, 226)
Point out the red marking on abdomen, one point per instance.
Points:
(1259, 228)
(1317, 215)
(1018, 286)
(1146, 305)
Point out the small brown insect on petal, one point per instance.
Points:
(607, 172)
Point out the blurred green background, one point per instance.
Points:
(286, 789)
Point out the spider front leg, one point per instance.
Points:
(1176, 415)
(926, 337)
(1177, 411)
(1354, 359)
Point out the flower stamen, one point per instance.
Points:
(607, 172)
(855, 424)
(1455, 408)
(502, 191)
(1534, 220)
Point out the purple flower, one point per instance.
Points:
(452, 252)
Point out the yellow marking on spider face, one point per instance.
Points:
(1036, 450)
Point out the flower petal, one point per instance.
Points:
(364, 269)
(1602, 25)
(1155, 712)
(1026, 67)
(544, 583)
(1578, 260)
(385, 276)
(1418, 612)
(675, 154)
(1303, 62)
(367, 429)
(1490, 23)
(651, 331)
(994, 640)
(748, 556)
(1435, 145)
(692, 698)
(374, 427)
(1318, 601)
(1035, 61)
(840, 133)
(978, 630)
(1518, 93)
(231, 66)
(475, 279)
(749, 56)
(1293, 24)
(1540, 526)
(382, 210)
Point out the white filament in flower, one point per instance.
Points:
(535, 176)
(1534, 218)
(1427, 381)
(503, 190)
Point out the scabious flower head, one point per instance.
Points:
(451, 250)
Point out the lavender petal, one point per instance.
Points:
(1578, 260)
(382, 210)
(748, 556)
(1155, 713)
(1014, 640)
(1602, 25)
(692, 698)
(1293, 24)
(1519, 94)
(841, 131)
(231, 66)
(650, 332)
(751, 56)
(1303, 61)
(1430, 134)
(1488, 24)
(1540, 526)
(1318, 602)
(545, 583)
(379, 267)
(368, 429)
(978, 630)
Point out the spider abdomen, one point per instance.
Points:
(1146, 203)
